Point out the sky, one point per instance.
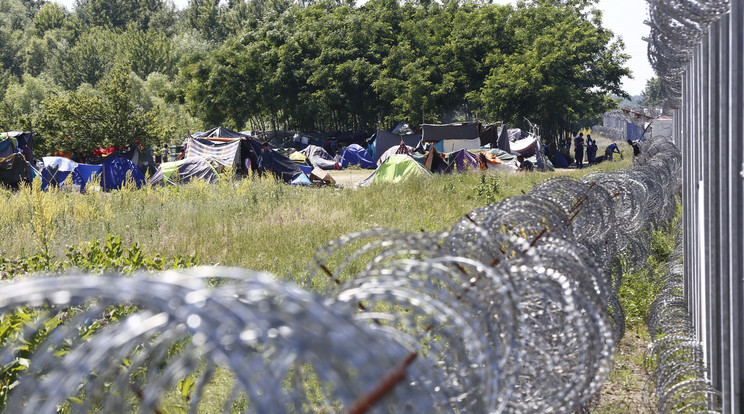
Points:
(625, 19)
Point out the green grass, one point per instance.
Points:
(256, 224)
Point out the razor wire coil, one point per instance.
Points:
(511, 309)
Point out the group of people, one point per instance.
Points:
(591, 149)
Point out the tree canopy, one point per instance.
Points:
(309, 65)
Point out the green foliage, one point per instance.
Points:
(565, 66)
(654, 94)
(309, 65)
(83, 121)
(117, 14)
(488, 189)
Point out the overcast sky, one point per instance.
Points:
(625, 18)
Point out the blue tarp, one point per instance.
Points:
(356, 155)
(84, 173)
(56, 180)
(305, 168)
(301, 179)
(115, 173)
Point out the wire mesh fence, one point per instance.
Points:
(512, 309)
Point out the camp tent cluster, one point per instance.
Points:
(301, 159)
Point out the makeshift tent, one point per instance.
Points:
(384, 140)
(22, 141)
(284, 168)
(85, 173)
(395, 150)
(526, 147)
(7, 147)
(13, 169)
(453, 145)
(503, 141)
(319, 157)
(183, 171)
(356, 155)
(225, 153)
(435, 162)
(301, 179)
(219, 133)
(56, 170)
(116, 172)
(462, 160)
(489, 135)
(455, 131)
(396, 169)
(298, 157)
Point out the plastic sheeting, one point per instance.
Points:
(356, 155)
(183, 171)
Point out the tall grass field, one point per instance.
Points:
(258, 224)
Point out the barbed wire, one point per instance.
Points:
(512, 309)
(677, 28)
(678, 380)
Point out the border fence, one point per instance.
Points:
(697, 49)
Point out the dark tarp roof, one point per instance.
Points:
(438, 132)
(503, 141)
(12, 170)
(435, 162)
(183, 171)
(25, 142)
(489, 135)
(219, 132)
(285, 168)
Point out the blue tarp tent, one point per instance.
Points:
(115, 173)
(356, 155)
(84, 173)
(301, 179)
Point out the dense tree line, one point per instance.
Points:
(112, 71)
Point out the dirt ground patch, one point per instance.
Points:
(625, 391)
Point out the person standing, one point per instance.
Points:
(591, 150)
(579, 150)
(266, 161)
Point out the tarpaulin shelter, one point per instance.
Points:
(22, 142)
(219, 144)
(301, 179)
(13, 169)
(395, 169)
(526, 147)
(384, 140)
(354, 154)
(85, 173)
(503, 142)
(183, 171)
(435, 162)
(398, 149)
(56, 170)
(489, 135)
(225, 153)
(452, 137)
(284, 168)
(462, 160)
(226, 147)
(116, 172)
(319, 157)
